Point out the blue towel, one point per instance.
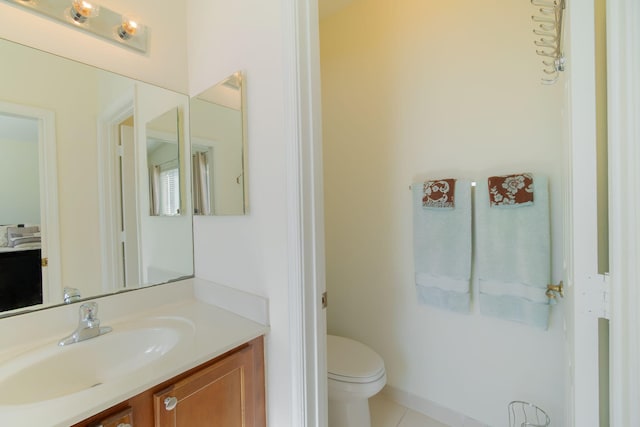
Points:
(442, 250)
(514, 257)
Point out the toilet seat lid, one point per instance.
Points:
(352, 361)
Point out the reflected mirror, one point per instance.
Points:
(75, 217)
(218, 138)
(164, 164)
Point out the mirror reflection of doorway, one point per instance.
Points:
(117, 194)
(28, 211)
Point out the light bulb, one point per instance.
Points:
(128, 28)
(81, 10)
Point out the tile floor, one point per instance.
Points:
(387, 413)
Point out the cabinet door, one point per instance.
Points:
(220, 395)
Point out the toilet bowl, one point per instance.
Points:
(355, 373)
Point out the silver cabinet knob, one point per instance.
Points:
(170, 403)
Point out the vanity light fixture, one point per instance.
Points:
(87, 15)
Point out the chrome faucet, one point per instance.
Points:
(88, 326)
(70, 295)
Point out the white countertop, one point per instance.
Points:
(215, 332)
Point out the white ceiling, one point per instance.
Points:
(329, 7)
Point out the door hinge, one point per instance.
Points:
(120, 151)
(597, 296)
(324, 300)
(44, 262)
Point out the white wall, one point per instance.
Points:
(425, 88)
(250, 252)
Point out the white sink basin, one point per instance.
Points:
(51, 371)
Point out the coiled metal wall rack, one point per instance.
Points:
(548, 22)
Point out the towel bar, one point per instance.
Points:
(473, 184)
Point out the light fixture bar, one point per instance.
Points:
(84, 15)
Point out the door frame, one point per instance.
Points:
(623, 69)
(581, 238)
(303, 124)
(587, 290)
(49, 214)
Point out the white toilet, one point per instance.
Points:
(356, 373)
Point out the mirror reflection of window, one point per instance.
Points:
(164, 164)
(170, 191)
(201, 180)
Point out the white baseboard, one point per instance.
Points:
(431, 409)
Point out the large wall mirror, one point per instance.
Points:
(75, 182)
(218, 138)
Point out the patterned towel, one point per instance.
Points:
(439, 194)
(511, 190)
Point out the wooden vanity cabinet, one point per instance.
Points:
(227, 391)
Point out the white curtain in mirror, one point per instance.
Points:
(154, 190)
(201, 200)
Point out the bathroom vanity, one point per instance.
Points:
(173, 358)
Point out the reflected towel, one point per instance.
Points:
(442, 249)
(514, 257)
